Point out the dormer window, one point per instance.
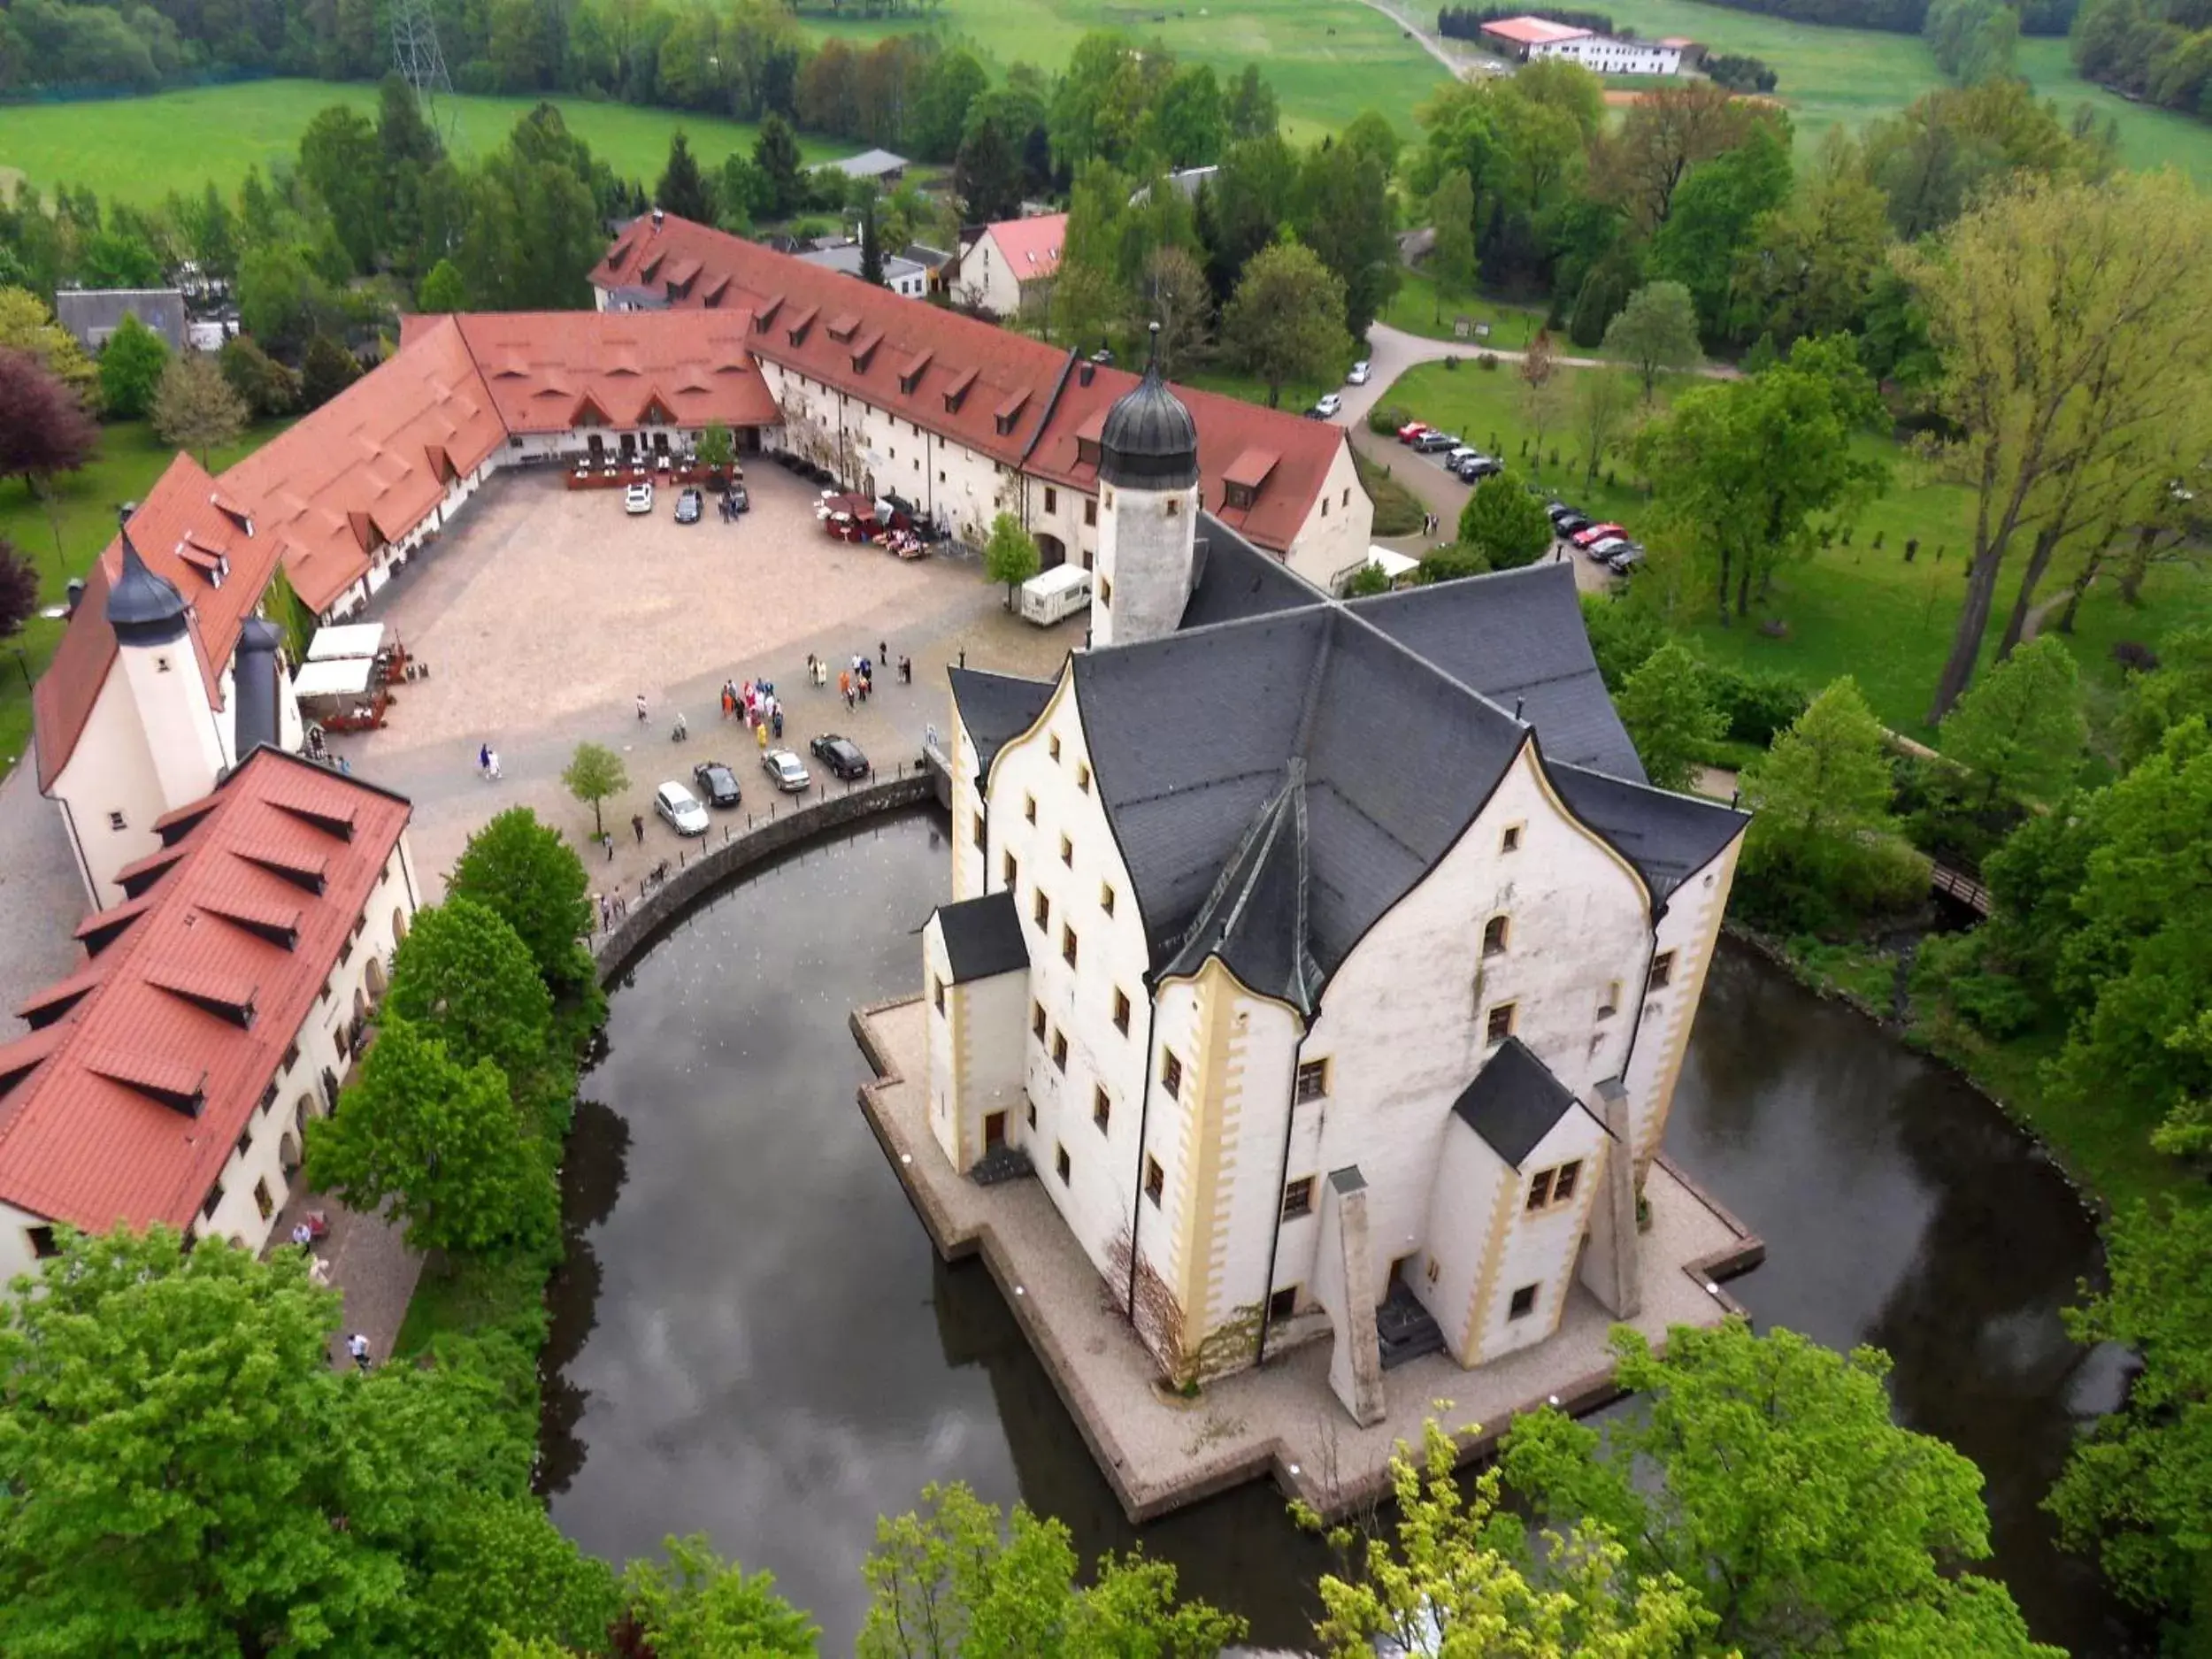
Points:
(1239, 495)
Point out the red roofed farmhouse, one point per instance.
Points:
(1010, 266)
(221, 1005)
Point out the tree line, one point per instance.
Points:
(1465, 23)
(1900, 16)
(2156, 50)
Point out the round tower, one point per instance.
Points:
(1147, 512)
(161, 666)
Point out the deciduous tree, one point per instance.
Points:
(1665, 135)
(1503, 523)
(698, 1605)
(131, 366)
(28, 325)
(596, 772)
(464, 977)
(43, 426)
(1452, 261)
(1605, 400)
(1667, 705)
(1176, 297)
(1342, 212)
(442, 289)
(194, 407)
(325, 370)
(2073, 320)
(1286, 320)
(1655, 330)
(1087, 303)
(2022, 728)
(18, 590)
(1009, 558)
(523, 870)
(986, 175)
(1766, 1473)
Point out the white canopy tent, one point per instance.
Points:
(345, 640)
(339, 677)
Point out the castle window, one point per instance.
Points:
(1171, 1073)
(1052, 499)
(1106, 593)
(1067, 944)
(1032, 1114)
(1101, 1108)
(1060, 1163)
(1067, 852)
(1662, 972)
(1510, 842)
(1563, 1184)
(1539, 1190)
(1499, 1026)
(1052, 746)
(1121, 1011)
(1493, 935)
(41, 1242)
(1174, 506)
(1524, 1303)
(161, 665)
(1283, 1304)
(1090, 512)
(1083, 778)
(262, 1201)
(1155, 1180)
(1434, 1271)
(1041, 910)
(1298, 1198)
(1611, 1005)
(1060, 1050)
(1010, 869)
(1037, 1020)
(115, 821)
(937, 992)
(1106, 897)
(214, 1199)
(1029, 808)
(1348, 497)
(980, 838)
(1313, 1080)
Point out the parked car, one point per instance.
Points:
(1465, 452)
(785, 768)
(1626, 560)
(1567, 524)
(1410, 431)
(1362, 372)
(1434, 443)
(840, 755)
(1603, 550)
(717, 782)
(740, 502)
(679, 810)
(637, 499)
(1556, 511)
(1585, 537)
(1478, 466)
(690, 504)
(1326, 407)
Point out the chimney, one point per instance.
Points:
(1085, 372)
(76, 594)
(124, 513)
(660, 218)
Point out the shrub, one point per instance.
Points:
(1756, 705)
(1623, 633)
(1385, 418)
(1953, 971)
(2134, 656)
(1487, 361)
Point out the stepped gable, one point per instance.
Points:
(370, 465)
(146, 1066)
(192, 536)
(1019, 400)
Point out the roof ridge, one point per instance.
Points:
(1310, 710)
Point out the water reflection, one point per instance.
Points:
(754, 1338)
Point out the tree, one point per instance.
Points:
(596, 772)
(131, 366)
(342, 162)
(2073, 320)
(1503, 523)
(870, 239)
(1011, 556)
(986, 176)
(1603, 400)
(1972, 41)
(267, 386)
(18, 590)
(442, 1145)
(958, 1577)
(112, 260)
(2159, 700)
(681, 190)
(1715, 216)
(700, 1606)
(1542, 391)
(2022, 728)
(1655, 330)
(1286, 320)
(1665, 135)
(464, 977)
(1179, 300)
(1250, 109)
(1446, 1584)
(194, 407)
(281, 302)
(1811, 263)
(2138, 1490)
(776, 158)
(718, 449)
(28, 325)
(1342, 211)
(1085, 304)
(523, 870)
(1765, 1473)
(442, 289)
(43, 426)
(954, 79)
(326, 370)
(1189, 124)
(1452, 261)
(494, 1568)
(1667, 706)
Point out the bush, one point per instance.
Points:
(1945, 814)
(1385, 418)
(1756, 705)
(2135, 658)
(1850, 891)
(1953, 971)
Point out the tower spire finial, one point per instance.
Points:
(1152, 356)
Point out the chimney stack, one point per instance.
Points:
(1085, 372)
(124, 513)
(76, 594)
(660, 218)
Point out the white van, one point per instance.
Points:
(1059, 592)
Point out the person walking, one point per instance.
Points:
(484, 757)
(357, 1346)
(606, 911)
(883, 652)
(845, 686)
(760, 736)
(637, 826)
(491, 763)
(776, 715)
(640, 707)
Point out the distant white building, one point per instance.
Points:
(1524, 38)
(907, 277)
(1329, 964)
(93, 314)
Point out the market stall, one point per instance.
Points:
(343, 693)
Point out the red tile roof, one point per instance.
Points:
(96, 1109)
(541, 365)
(1533, 31)
(1030, 247)
(358, 471)
(960, 377)
(187, 534)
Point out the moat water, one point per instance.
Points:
(753, 1337)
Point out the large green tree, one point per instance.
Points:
(2022, 728)
(1452, 261)
(1009, 558)
(1342, 211)
(1286, 320)
(697, 1606)
(342, 162)
(1667, 705)
(1503, 523)
(681, 189)
(524, 871)
(464, 976)
(1766, 1473)
(1655, 330)
(131, 366)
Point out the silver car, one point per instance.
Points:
(679, 809)
(786, 771)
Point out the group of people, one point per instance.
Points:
(486, 762)
(612, 906)
(756, 704)
(857, 679)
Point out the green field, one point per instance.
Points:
(138, 149)
(1848, 76)
(1326, 59)
(130, 458)
(1860, 609)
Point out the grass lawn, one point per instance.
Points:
(1327, 59)
(138, 149)
(130, 459)
(1414, 309)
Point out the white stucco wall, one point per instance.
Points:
(1538, 1248)
(975, 1052)
(112, 770)
(1690, 928)
(1339, 526)
(1147, 542)
(1470, 1182)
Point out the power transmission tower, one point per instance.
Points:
(416, 53)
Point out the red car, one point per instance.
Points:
(1596, 533)
(1412, 430)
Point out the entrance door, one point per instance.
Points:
(1051, 552)
(598, 445)
(993, 1131)
(629, 445)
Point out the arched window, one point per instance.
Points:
(1493, 936)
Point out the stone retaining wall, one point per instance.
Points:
(717, 862)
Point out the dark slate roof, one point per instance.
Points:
(1514, 1102)
(93, 314)
(995, 708)
(1518, 637)
(1255, 920)
(983, 936)
(1236, 579)
(1667, 837)
(1149, 441)
(254, 681)
(144, 608)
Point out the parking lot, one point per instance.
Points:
(1457, 481)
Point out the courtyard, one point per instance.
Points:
(543, 613)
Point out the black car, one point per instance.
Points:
(739, 501)
(840, 755)
(1557, 510)
(1572, 523)
(1478, 467)
(689, 506)
(718, 784)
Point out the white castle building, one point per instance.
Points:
(1329, 964)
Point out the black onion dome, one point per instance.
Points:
(1149, 441)
(142, 608)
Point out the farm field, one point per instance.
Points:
(1861, 609)
(1327, 59)
(138, 149)
(1832, 76)
(130, 458)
